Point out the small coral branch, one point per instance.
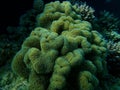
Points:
(113, 58)
(86, 12)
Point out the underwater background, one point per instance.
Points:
(60, 45)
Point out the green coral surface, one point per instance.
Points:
(62, 52)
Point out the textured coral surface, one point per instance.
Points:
(63, 52)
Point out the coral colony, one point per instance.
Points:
(66, 49)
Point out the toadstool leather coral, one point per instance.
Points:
(62, 50)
